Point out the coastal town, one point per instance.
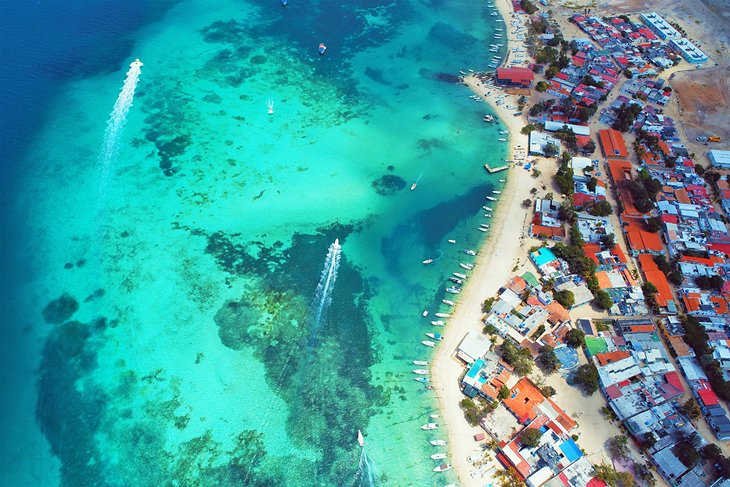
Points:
(591, 344)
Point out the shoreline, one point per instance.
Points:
(493, 268)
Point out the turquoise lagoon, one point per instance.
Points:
(167, 304)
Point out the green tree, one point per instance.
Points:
(487, 304)
(503, 392)
(608, 240)
(649, 289)
(565, 297)
(548, 391)
(527, 129)
(541, 86)
(530, 437)
(547, 360)
(691, 409)
(587, 377)
(648, 441)
(600, 208)
(618, 447)
(602, 299)
(591, 184)
(489, 329)
(575, 338)
(687, 453)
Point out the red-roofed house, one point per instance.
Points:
(515, 76)
(612, 143)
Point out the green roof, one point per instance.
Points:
(596, 345)
(530, 279)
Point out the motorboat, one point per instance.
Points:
(420, 362)
(491, 198)
(502, 140)
(429, 426)
(425, 313)
(470, 252)
(448, 302)
(443, 315)
(463, 73)
(360, 439)
(455, 280)
(453, 290)
(451, 241)
(486, 208)
(496, 192)
(484, 225)
(420, 371)
(429, 343)
(466, 266)
(438, 442)
(482, 229)
(427, 261)
(322, 48)
(437, 323)
(423, 380)
(434, 416)
(502, 180)
(438, 456)
(442, 468)
(487, 215)
(435, 336)
(460, 275)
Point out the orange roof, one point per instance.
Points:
(628, 277)
(590, 249)
(691, 301)
(647, 263)
(620, 170)
(612, 143)
(516, 284)
(616, 250)
(603, 280)
(565, 421)
(680, 346)
(664, 291)
(641, 329)
(525, 397)
(558, 313)
(548, 231)
(711, 261)
(682, 196)
(609, 357)
(719, 304)
(641, 240)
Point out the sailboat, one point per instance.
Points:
(360, 439)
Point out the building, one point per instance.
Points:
(515, 76)
(719, 158)
(612, 143)
(540, 140)
(473, 347)
(691, 53)
(660, 26)
(551, 126)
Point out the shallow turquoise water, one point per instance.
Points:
(195, 261)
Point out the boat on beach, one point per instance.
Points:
(442, 468)
(448, 302)
(420, 371)
(420, 362)
(438, 442)
(460, 275)
(429, 426)
(466, 266)
(443, 315)
(428, 343)
(438, 456)
(491, 198)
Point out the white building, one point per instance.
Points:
(719, 158)
(539, 140)
(691, 53)
(660, 26)
(551, 126)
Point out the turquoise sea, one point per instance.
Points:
(157, 304)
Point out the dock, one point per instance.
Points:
(492, 170)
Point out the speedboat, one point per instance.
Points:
(429, 426)
(496, 192)
(487, 215)
(437, 323)
(413, 186)
(322, 48)
(469, 252)
(484, 225)
(434, 416)
(438, 456)
(360, 439)
(486, 208)
(420, 371)
(443, 315)
(453, 290)
(428, 343)
(423, 380)
(420, 362)
(425, 312)
(502, 180)
(491, 198)
(482, 229)
(427, 261)
(435, 336)
(502, 140)
(442, 468)
(454, 279)
(438, 442)
(460, 275)
(466, 266)
(448, 302)
(451, 241)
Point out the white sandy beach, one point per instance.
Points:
(495, 262)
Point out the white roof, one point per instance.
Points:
(577, 129)
(719, 157)
(580, 163)
(540, 477)
(511, 297)
(475, 345)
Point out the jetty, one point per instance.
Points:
(491, 169)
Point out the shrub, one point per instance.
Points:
(530, 437)
(587, 377)
(575, 338)
(565, 297)
(541, 86)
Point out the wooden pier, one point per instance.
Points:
(492, 170)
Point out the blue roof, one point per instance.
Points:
(475, 368)
(543, 256)
(570, 450)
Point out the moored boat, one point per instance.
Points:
(491, 198)
(466, 266)
(443, 315)
(496, 192)
(420, 371)
(451, 241)
(438, 442)
(469, 252)
(453, 290)
(435, 336)
(448, 302)
(437, 323)
(502, 180)
(429, 426)
(460, 275)
(428, 343)
(482, 229)
(425, 312)
(438, 456)
(422, 380)
(420, 362)
(457, 281)
(442, 468)
(427, 261)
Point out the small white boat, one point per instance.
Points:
(466, 266)
(429, 343)
(487, 215)
(460, 275)
(420, 371)
(423, 380)
(463, 73)
(435, 336)
(443, 315)
(437, 323)
(502, 140)
(491, 198)
(427, 261)
(455, 280)
(451, 241)
(484, 225)
(438, 456)
(502, 180)
(413, 186)
(429, 426)
(420, 362)
(448, 302)
(482, 229)
(469, 252)
(496, 192)
(486, 208)
(453, 290)
(360, 439)
(438, 442)
(434, 416)
(442, 468)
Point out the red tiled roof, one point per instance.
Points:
(673, 379)
(610, 357)
(612, 143)
(515, 75)
(707, 397)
